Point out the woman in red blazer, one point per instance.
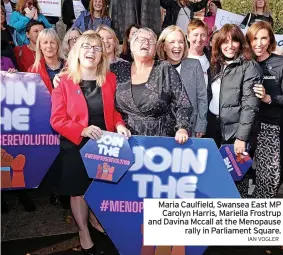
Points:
(49, 57)
(83, 106)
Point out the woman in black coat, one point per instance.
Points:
(267, 154)
(233, 104)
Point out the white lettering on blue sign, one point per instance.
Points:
(110, 146)
(17, 94)
(228, 164)
(177, 161)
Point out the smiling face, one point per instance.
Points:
(230, 48)
(48, 46)
(260, 43)
(144, 45)
(90, 54)
(198, 39)
(109, 41)
(97, 5)
(174, 47)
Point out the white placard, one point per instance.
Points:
(225, 17)
(50, 7)
(279, 40)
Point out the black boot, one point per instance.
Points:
(90, 251)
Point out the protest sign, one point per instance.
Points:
(162, 169)
(50, 7)
(279, 41)
(236, 165)
(224, 17)
(109, 158)
(28, 143)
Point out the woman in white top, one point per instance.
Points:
(198, 37)
(233, 104)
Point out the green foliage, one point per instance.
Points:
(245, 6)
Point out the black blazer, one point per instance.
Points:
(68, 13)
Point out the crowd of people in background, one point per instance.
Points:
(191, 80)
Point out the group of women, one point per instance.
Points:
(170, 96)
(165, 86)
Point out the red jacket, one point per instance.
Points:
(69, 115)
(43, 73)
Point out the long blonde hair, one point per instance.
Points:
(266, 10)
(162, 38)
(47, 32)
(111, 31)
(73, 69)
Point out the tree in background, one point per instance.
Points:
(243, 7)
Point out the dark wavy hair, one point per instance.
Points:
(233, 31)
(218, 5)
(126, 45)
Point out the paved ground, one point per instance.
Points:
(51, 230)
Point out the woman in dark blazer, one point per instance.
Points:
(172, 46)
(83, 106)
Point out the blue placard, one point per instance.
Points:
(29, 145)
(162, 169)
(236, 165)
(109, 158)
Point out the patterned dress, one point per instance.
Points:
(164, 106)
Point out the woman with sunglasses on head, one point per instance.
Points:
(70, 39)
(26, 11)
(83, 106)
(172, 46)
(267, 154)
(233, 105)
(150, 95)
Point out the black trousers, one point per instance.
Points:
(214, 130)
